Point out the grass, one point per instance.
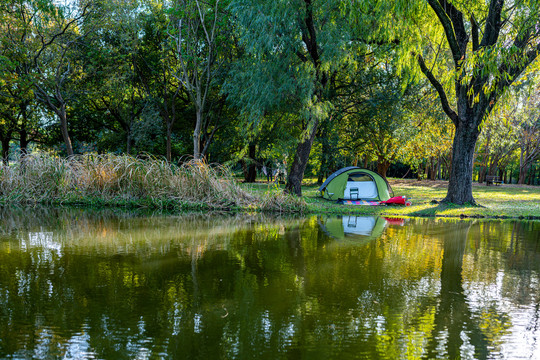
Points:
(125, 181)
(505, 201)
(112, 180)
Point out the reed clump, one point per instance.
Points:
(120, 180)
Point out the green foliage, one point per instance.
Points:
(120, 76)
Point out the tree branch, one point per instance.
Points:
(474, 31)
(493, 23)
(452, 21)
(440, 90)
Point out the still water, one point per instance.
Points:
(109, 285)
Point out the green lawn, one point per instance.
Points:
(506, 201)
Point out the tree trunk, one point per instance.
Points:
(326, 154)
(197, 137)
(532, 171)
(62, 115)
(481, 174)
(250, 175)
(382, 167)
(433, 169)
(23, 141)
(460, 184)
(168, 153)
(5, 149)
(23, 133)
(453, 315)
(301, 157)
(320, 178)
(523, 168)
(128, 142)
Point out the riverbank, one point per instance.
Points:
(125, 181)
(504, 201)
(152, 183)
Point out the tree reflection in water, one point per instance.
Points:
(454, 322)
(123, 286)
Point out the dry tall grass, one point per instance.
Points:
(119, 180)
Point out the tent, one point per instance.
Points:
(354, 183)
(354, 228)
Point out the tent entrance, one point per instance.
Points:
(360, 186)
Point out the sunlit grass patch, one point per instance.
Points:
(496, 201)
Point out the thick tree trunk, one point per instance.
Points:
(460, 184)
(23, 141)
(453, 315)
(382, 167)
(301, 157)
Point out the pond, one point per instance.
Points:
(113, 285)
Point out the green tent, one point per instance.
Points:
(354, 228)
(354, 183)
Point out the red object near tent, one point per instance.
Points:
(397, 200)
(395, 221)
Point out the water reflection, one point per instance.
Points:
(340, 227)
(123, 286)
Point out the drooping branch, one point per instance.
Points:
(440, 90)
(513, 69)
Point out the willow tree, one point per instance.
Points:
(293, 49)
(471, 51)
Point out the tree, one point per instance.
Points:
(529, 137)
(295, 47)
(55, 33)
(196, 27)
(156, 68)
(428, 150)
(498, 141)
(110, 59)
(377, 113)
(17, 44)
(485, 63)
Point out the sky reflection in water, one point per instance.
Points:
(111, 285)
